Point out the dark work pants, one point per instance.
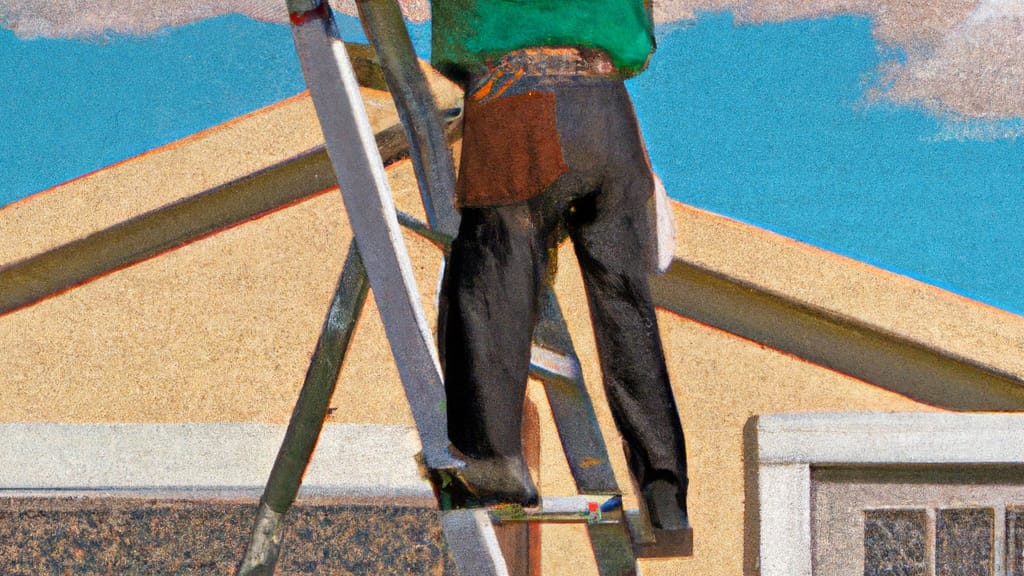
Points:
(498, 269)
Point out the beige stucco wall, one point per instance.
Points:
(221, 328)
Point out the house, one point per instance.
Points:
(162, 312)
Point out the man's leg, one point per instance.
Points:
(629, 345)
(612, 238)
(489, 307)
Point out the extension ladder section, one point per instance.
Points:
(378, 258)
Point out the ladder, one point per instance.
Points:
(377, 257)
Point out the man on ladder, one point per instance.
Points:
(551, 146)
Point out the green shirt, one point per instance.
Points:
(466, 33)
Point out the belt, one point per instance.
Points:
(547, 61)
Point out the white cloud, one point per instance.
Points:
(964, 58)
(91, 18)
(987, 10)
(983, 130)
(903, 22)
(976, 71)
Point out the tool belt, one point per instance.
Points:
(511, 150)
(547, 61)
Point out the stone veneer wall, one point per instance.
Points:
(136, 536)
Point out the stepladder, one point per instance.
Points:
(378, 259)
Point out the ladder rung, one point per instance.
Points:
(423, 229)
(548, 364)
(590, 509)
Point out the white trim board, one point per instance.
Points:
(203, 460)
(788, 445)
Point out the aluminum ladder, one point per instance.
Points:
(377, 257)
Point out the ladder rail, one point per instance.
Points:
(428, 146)
(367, 196)
(307, 418)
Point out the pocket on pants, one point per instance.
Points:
(511, 150)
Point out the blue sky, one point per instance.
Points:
(765, 123)
(770, 124)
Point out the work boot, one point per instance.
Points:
(498, 479)
(661, 497)
(671, 535)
